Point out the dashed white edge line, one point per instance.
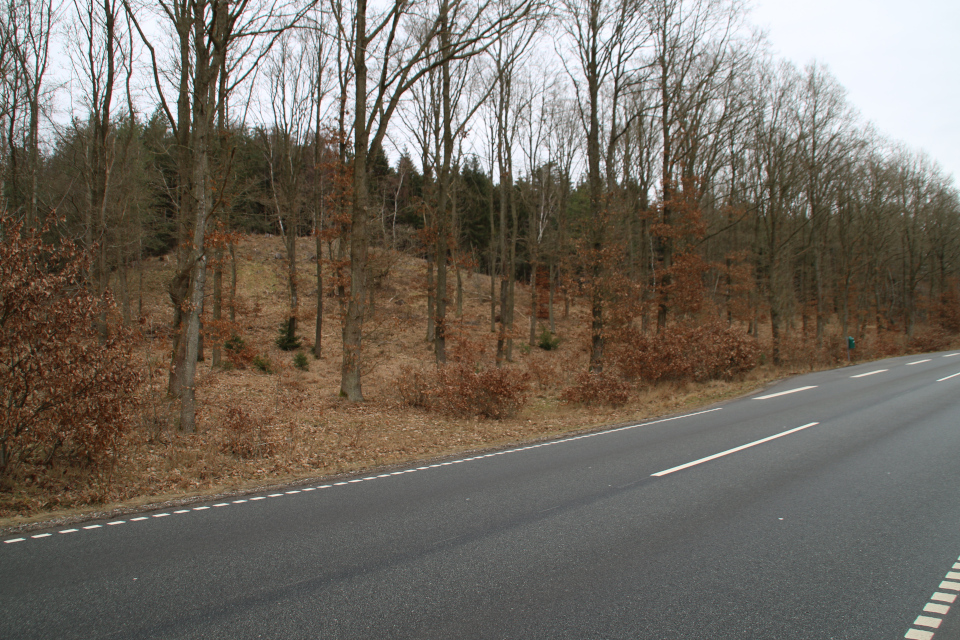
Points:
(927, 621)
(784, 393)
(734, 450)
(933, 607)
(948, 377)
(404, 471)
(910, 364)
(950, 355)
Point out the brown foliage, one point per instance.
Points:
(686, 351)
(465, 387)
(928, 339)
(597, 388)
(947, 310)
(462, 390)
(66, 391)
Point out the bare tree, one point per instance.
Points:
(208, 37)
(27, 27)
(398, 58)
(605, 39)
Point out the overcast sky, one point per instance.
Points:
(898, 59)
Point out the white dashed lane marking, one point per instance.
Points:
(948, 377)
(910, 364)
(734, 450)
(784, 393)
(934, 606)
(870, 373)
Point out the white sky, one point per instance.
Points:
(898, 60)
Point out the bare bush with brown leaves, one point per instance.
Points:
(462, 390)
(68, 389)
(597, 388)
(686, 351)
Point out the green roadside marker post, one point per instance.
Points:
(851, 345)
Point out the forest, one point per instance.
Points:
(706, 205)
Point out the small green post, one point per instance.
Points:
(851, 345)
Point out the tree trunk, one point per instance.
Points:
(350, 373)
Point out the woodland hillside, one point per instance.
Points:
(291, 238)
(267, 416)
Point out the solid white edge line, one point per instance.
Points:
(869, 373)
(734, 450)
(948, 377)
(784, 393)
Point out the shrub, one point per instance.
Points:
(548, 341)
(463, 390)
(261, 363)
(928, 340)
(597, 388)
(687, 351)
(300, 361)
(493, 392)
(287, 341)
(68, 389)
(415, 387)
(237, 353)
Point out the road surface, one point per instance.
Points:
(827, 506)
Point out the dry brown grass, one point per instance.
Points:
(257, 430)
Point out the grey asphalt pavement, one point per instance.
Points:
(833, 512)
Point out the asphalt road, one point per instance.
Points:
(841, 521)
